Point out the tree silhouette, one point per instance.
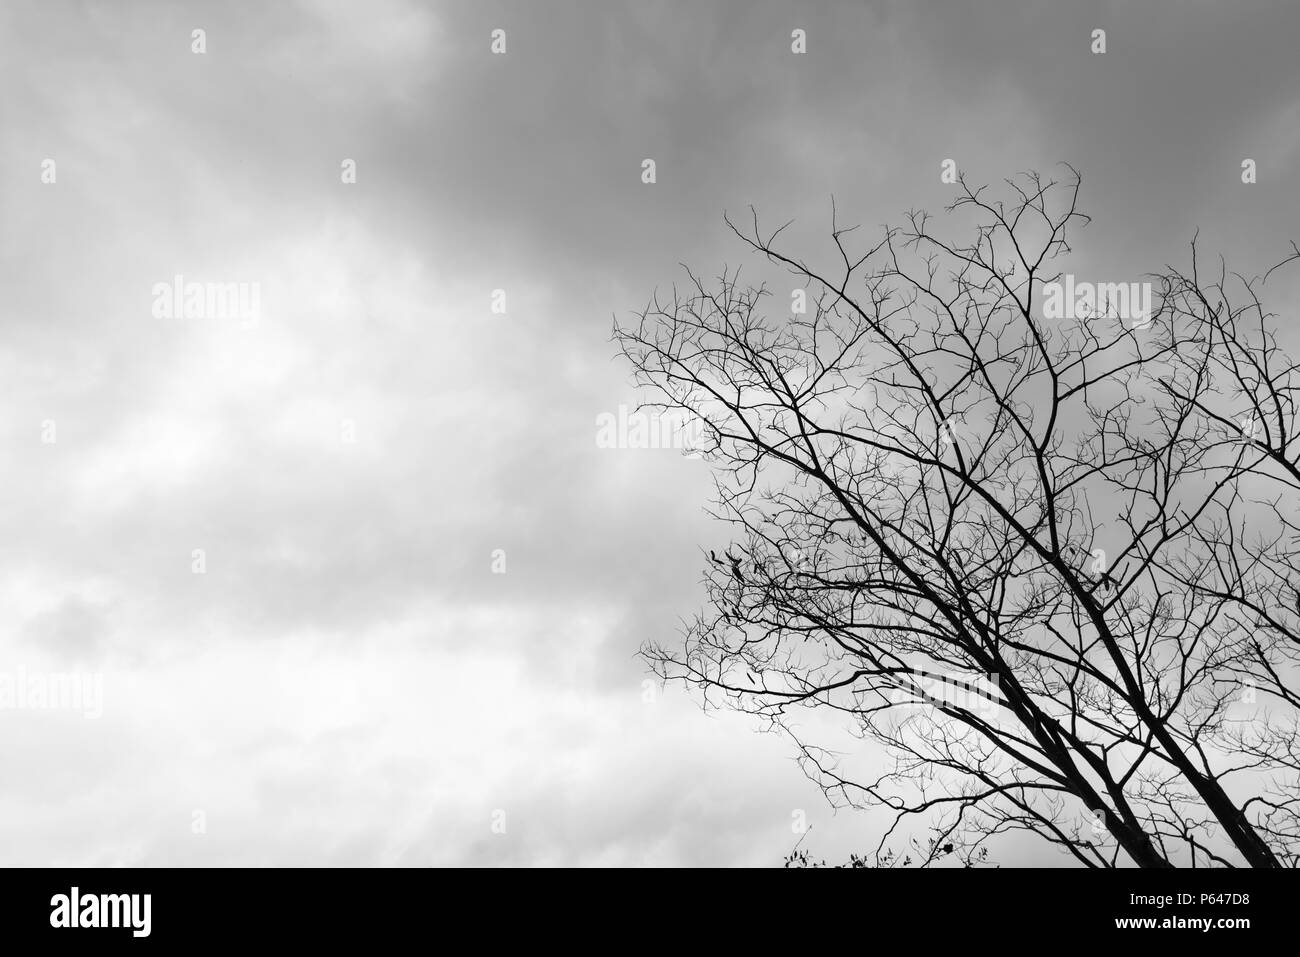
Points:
(1049, 564)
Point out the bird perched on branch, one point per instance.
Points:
(735, 565)
(732, 559)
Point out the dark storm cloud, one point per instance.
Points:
(326, 662)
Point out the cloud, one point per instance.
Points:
(349, 682)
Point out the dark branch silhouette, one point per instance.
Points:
(1049, 564)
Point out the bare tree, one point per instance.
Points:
(1049, 564)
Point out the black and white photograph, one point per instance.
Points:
(649, 435)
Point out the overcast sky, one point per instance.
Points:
(349, 682)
